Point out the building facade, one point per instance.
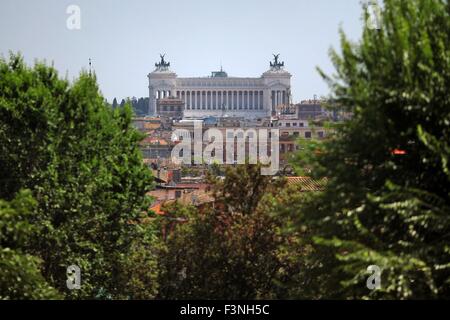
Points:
(220, 95)
(170, 107)
(310, 109)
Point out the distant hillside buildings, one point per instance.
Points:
(223, 103)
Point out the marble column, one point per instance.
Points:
(217, 101)
(247, 105)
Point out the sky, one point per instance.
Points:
(125, 37)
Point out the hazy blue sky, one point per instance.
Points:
(124, 38)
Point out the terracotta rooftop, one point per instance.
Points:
(154, 141)
(156, 208)
(150, 125)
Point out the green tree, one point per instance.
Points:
(20, 276)
(234, 249)
(388, 197)
(82, 162)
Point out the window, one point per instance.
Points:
(308, 134)
(288, 124)
(320, 134)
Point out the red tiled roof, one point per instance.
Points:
(156, 207)
(307, 183)
(154, 140)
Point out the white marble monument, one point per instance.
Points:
(220, 95)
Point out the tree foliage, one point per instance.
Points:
(388, 197)
(82, 163)
(234, 249)
(20, 276)
(139, 106)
